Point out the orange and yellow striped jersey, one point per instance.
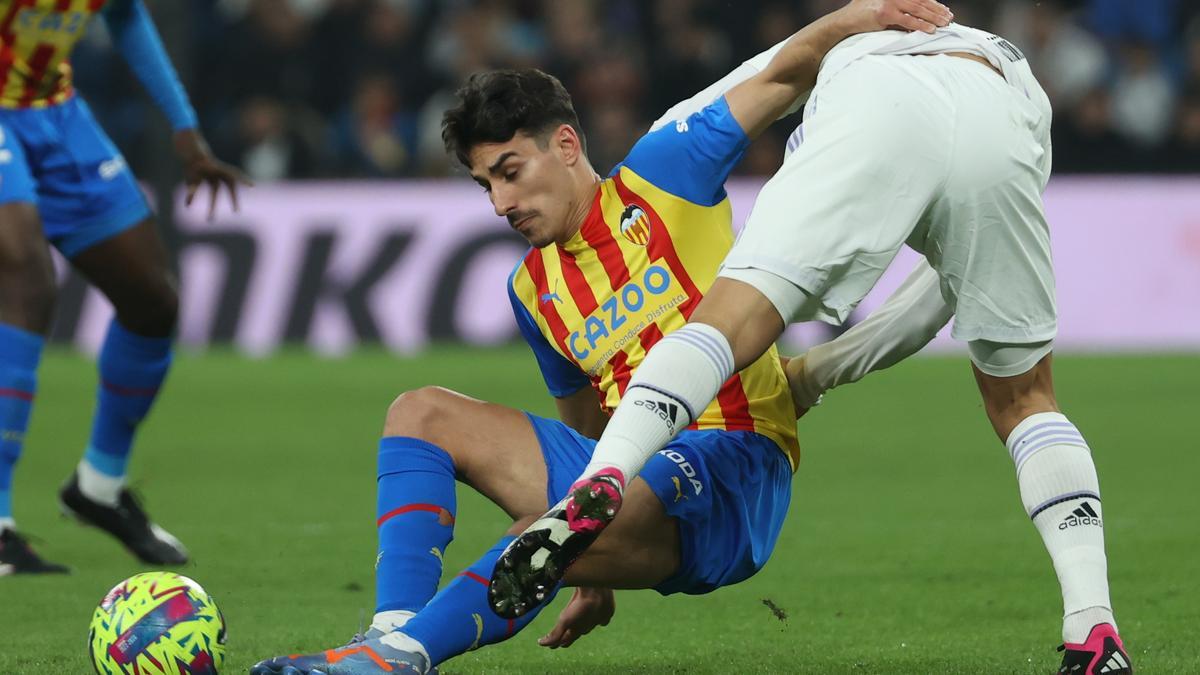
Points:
(648, 250)
(36, 40)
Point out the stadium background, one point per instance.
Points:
(360, 241)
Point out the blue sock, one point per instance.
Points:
(20, 352)
(459, 619)
(415, 517)
(132, 369)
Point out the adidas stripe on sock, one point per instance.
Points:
(1061, 495)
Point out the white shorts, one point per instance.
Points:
(938, 152)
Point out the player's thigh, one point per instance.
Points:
(133, 271)
(26, 271)
(27, 285)
(988, 237)
(846, 199)
(714, 504)
(640, 549)
(494, 448)
(86, 192)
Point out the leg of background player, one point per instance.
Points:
(132, 270)
(431, 436)
(26, 301)
(1059, 489)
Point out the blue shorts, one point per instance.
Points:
(729, 491)
(59, 159)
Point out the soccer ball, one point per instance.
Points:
(157, 623)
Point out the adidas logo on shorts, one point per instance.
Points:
(1084, 515)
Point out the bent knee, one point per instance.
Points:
(423, 413)
(154, 313)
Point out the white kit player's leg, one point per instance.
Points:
(988, 238)
(1061, 494)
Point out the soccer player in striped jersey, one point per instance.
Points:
(937, 141)
(63, 181)
(617, 263)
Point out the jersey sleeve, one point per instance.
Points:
(692, 157)
(138, 42)
(562, 377)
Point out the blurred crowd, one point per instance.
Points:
(356, 88)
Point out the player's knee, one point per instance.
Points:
(1010, 398)
(420, 413)
(154, 313)
(27, 283)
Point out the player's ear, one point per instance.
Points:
(568, 143)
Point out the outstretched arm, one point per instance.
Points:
(137, 40)
(792, 71)
(905, 323)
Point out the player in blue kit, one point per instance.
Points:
(63, 181)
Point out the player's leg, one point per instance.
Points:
(640, 550)
(27, 289)
(518, 461)
(431, 437)
(704, 514)
(994, 258)
(1060, 491)
(95, 214)
(26, 301)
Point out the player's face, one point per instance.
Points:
(529, 183)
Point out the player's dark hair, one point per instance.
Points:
(494, 106)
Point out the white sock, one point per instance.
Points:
(1061, 494)
(98, 486)
(7, 524)
(386, 622)
(400, 640)
(678, 379)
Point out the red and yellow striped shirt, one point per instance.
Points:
(645, 255)
(36, 40)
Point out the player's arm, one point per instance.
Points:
(899, 328)
(137, 40)
(761, 99)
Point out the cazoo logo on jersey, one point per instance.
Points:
(622, 316)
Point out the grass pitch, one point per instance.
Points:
(906, 549)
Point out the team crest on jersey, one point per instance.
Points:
(635, 225)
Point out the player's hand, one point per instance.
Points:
(587, 609)
(802, 400)
(915, 15)
(200, 167)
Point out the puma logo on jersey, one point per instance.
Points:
(547, 297)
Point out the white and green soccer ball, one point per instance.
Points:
(157, 623)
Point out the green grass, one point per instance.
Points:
(906, 550)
